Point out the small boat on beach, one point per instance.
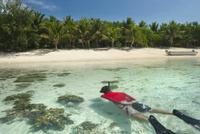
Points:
(181, 53)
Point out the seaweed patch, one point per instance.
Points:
(26, 80)
(59, 85)
(114, 69)
(86, 127)
(63, 74)
(32, 77)
(67, 99)
(39, 117)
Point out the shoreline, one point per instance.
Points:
(82, 55)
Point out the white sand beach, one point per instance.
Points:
(78, 55)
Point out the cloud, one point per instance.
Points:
(41, 4)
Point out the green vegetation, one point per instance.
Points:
(114, 69)
(112, 125)
(39, 117)
(63, 74)
(31, 77)
(87, 125)
(22, 29)
(52, 118)
(24, 81)
(59, 85)
(22, 85)
(65, 99)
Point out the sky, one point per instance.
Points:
(117, 10)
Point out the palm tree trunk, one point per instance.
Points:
(113, 41)
(73, 44)
(70, 43)
(171, 41)
(82, 43)
(132, 42)
(88, 43)
(56, 47)
(97, 43)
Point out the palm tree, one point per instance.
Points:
(154, 27)
(131, 35)
(38, 19)
(16, 26)
(141, 37)
(38, 30)
(143, 24)
(112, 33)
(171, 31)
(69, 30)
(55, 32)
(128, 31)
(84, 32)
(98, 31)
(196, 34)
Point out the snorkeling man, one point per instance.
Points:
(129, 104)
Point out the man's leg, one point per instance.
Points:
(160, 111)
(140, 117)
(134, 113)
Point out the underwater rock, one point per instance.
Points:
(36, 107)
(21, 96)
(21, 101)
(22, 85)
(52, 118)
(10, 116)
(59, 85)
(154, 67)
(112, 125)
(196, 102)
(124, 132)
(24, 79)
(31, 92)
(196, 64)
(114, 69)
(21, 104)
(36, 114)
(2, 79)
(86, 126)
(8, 74)
(65, 99)
(63, 74)
(31, 77)
(174, 88)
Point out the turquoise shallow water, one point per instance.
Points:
(170, 84)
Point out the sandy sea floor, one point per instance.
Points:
(157, 80)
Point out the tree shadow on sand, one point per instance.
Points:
(109, 111)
